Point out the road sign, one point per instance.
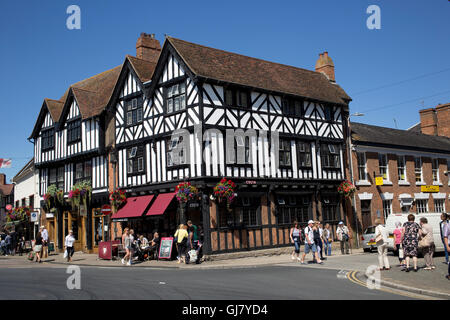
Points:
(379, 181)
(429, 188)
(106, 209)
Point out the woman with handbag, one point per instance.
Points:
(295, 239)
(327, 240)
(381, 239)
(411, 241)
(181, 236)
(398, 244)
(426, 243)
(38, 247)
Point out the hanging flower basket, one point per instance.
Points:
(346, 188)
(117, 199)
(224, 190)
(185, 192)
(52, 195)
(18, 214)
(81, 192)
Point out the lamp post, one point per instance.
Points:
(350, 147)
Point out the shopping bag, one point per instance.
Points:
(30, 256)
(65, 254)
(401, 253)
(192, 256)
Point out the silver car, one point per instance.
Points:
(368, 239)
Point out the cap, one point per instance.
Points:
(341, 222)
(310, 221)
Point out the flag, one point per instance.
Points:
(5, 163)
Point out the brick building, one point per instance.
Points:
(6, 197)
(406, 160)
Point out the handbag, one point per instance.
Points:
(379, 238)
(65, 254)
(401, 253)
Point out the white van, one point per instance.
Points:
(433, 220)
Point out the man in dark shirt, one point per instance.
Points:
(155, 243)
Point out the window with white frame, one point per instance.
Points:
(435, 170)
(304, 154)
(176, 97)
(418, 169)
(439, 205)
(387, 208)
(134, 111)
(362, 174)
(401, 167)
(135, 160)
(329, 156)
(175, 151)
(422, 205)
(383, 163)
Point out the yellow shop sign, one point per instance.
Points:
(379, 181)
(429, 188)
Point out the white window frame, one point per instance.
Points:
(401, 168)
(439, 203)
(387, 207)
(385, 167)
(416, 170)
(420, 208)
(361, 165)
(435, 170)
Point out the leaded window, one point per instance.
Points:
(176, 97)
(292, 208)
(135, 160)
(304, 154)
(330, 208)
(285, 152)
(134, 108)
(329, 155)
(74, 131)
(48, 139)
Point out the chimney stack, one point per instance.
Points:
(148, 48)
(326, 66)
(436, 121)
(2, 179)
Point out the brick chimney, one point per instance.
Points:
(2, 179)
(326, 66)
(148, 48)
(436, 121)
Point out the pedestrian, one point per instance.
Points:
(327, 239)
(13, 235)
(68, 243)
(410, 241)
(381, 239)
(44, 233)
(444, 221)
(318, 239)
(181, 236)
(8, 242)
(156, 241)
(3, 246)
(426, 243)
(195, 236)
(398, 243)
(201, 237)
(132, 246)
(38, 247)
(309, 243)
(21, 245)
(446, 235)
(190, 244)
(343, 237)
(295, 239)
(127, 244)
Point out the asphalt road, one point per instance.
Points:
(272, 283)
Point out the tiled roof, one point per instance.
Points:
(6, 189)
(144, 69)
(235, 68)
(55, 108)
(374, 135)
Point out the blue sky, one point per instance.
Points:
(40, 57)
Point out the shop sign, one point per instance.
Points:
(429, 188)
(49, 215)
(34, 216)
(165, 249)
(250, 182)
(379, 181)
(83, 210)
(194, 205)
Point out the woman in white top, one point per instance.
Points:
(126, 244)
(69, 245)
(295, 239)
(381, 238)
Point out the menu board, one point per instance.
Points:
(165, 248)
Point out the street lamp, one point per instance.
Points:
(350, 147)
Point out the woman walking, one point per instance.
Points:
(398, 243)
(326, 237)
(126, 240)
(381, 238)
(317, 239)
(181, 235)
(68, 243)
(410, 241)
(427, 243)
(295, 239)
(38, 247)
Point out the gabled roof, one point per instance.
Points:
(28, 167)
(144, 69)
(54, 107)
(92, 94)
(234, 68)
(415, 128)
(380, 136)
(6, 189)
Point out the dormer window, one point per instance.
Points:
(134, 109)
(48, 139)
(176, 97)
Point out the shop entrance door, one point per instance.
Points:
(98, 229)
(76, 223)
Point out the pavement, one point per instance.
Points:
(354, 266)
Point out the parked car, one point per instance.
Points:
(368, 239)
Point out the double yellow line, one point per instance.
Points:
(352, 277)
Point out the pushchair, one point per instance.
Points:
(141, 254)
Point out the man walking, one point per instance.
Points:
(195, 237)
(309, 243)
(44, 234)
(8, 242)
(444, 222)
(343, 237)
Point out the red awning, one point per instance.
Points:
(134, 207)
(161, 203)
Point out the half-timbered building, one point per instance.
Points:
(69, 147)
(286, 152)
